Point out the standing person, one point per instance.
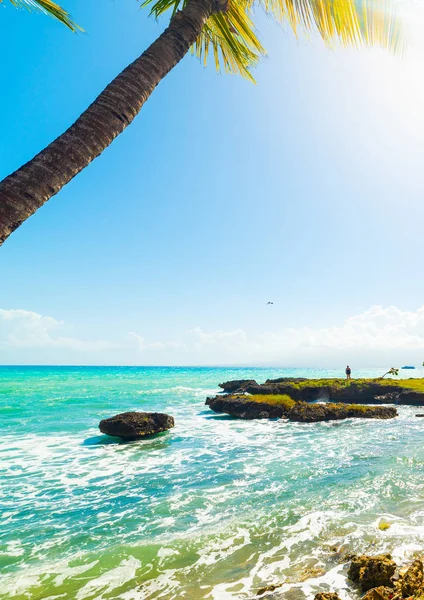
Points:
(348, 372)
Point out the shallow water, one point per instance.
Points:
(215, 508)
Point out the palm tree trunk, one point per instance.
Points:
(28, 188)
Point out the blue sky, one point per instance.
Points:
(305, 189)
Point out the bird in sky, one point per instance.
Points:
(270, 302)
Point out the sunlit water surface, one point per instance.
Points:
(215, 508)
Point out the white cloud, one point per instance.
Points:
(372, 337)
(26, 329)
(377, 336)
(142, 346)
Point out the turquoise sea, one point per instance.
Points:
(215, 508)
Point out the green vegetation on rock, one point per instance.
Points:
(275, 399)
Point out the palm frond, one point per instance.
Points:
(50, 8)
(352, 22)
(232, 40)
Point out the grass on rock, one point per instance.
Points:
(275, 399)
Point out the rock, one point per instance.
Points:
(372, 571)
(370, 391)
(420, 415)
(389, 398)
(268, 588)
(412, 582)
(134, 425)
(303, 412)
(235, 385)
(379, 593)
(243, 408)
(326, 596)
(410, 397)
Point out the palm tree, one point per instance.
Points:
(50, 8)
(391, 371)
(225, 28)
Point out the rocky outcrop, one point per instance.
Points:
(411, 398)
(326, 596)
(371, 391)
(135, 425)
(379, 593)
(372, 571)
(412, 581)
(303, 412)
(244, 408)
(236, 385)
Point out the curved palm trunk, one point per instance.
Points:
(28, 188)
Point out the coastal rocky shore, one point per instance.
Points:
(361, 391)
(308, 400)
(244, 407)
(375, 578)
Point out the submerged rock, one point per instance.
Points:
(326, 596)
(303, 412)
(269, 588)
(372, 571)
(134, 425)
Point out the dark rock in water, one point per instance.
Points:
(327, 596)
(410, 397)
(389, 398)
(379, 593)
(236, 385)
(372, 571)
(268, 588)
(243, 408)
(412, 582)
(134, 425)
(303, 412)
(420, 415)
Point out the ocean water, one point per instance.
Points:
(215, 508)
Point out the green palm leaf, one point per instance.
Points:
(232, 39)
(49, 8)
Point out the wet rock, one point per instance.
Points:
(243, 408)
(412, 398)
(420, 415)
(372, 571)
(389, 398)
(134, 425)
(379, 593)
(303, 412)
(412, 582)
(235, 385)
(268, 588)
(327, 596)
